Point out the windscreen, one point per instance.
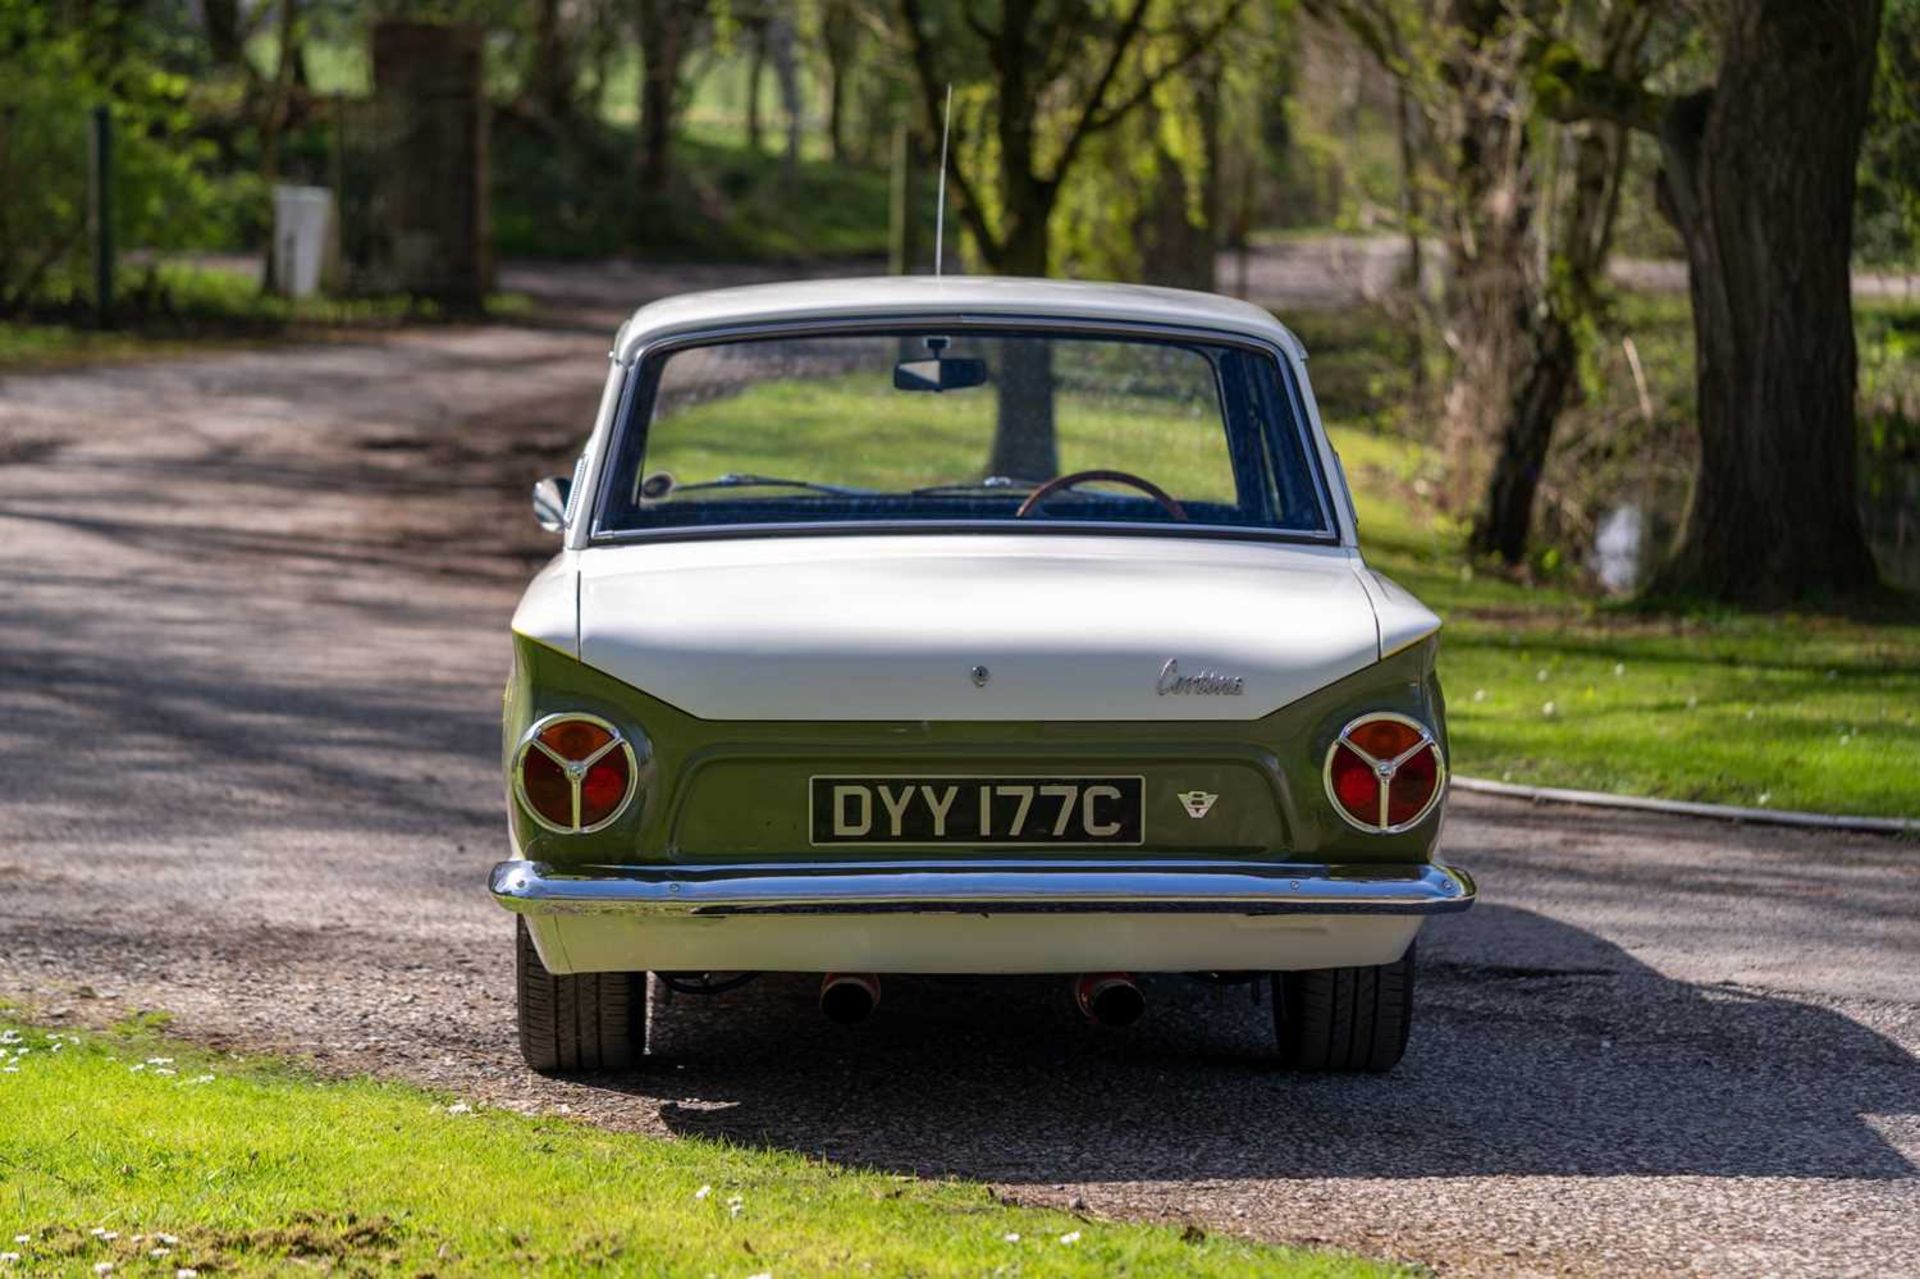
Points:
(962, 426)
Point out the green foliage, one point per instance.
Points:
(1039, 90)
(1887, 210)
(576, 198)
(114, 1145)
(167, 192)
(1164, 186)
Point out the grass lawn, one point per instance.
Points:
(130, 1149)
(197, 306)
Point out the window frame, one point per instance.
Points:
(643, 375)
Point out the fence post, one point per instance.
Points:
(100, 213)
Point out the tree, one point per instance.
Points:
(834, 27)
(1057, 74)
(1161, 191)
(1579, 244)
(1462, 70)
(1887, 215)
(226, 38)
(169, 190)
(668, 30)
(1527, 247)
(1053, 74)
(755, 25)
(1758, 176)
(552, 62)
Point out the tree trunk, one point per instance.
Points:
(839, 42)
(1548, 382)
(756, 76)
(224, 41)
(278, 107)
(1024, 444)
(1494, 293)
(1759, 179)
(666, 31)
(551, 77)
(836, 114)
(1178, 248)
(1414, 221)
(273, 124)
(1506, 516)
(786, 77)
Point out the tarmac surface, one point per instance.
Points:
(253, 630)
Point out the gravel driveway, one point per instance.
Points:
(253, 612)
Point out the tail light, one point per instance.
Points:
(574, 773)
(1384, 773)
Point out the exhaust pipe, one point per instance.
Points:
(1110, 999)
(849, 997)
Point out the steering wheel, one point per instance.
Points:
(1061, 482)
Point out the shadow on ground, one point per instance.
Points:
(1593, 1069)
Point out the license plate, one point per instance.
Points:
(1047, 811)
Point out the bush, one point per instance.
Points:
(165, 192)
(573, 197)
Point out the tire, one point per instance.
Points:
(579, 1022)
(1344, 1019)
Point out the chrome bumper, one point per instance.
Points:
(983, 888)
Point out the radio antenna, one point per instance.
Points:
(940, 205)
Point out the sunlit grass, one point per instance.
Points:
(150, 1156)
(855, 430)
(202, 305)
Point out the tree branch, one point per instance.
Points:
(1062, 41)
(1374, 30)
(978, 25)
(932, 95)
(1569, 89)
(1122, 41)
(1093, 120)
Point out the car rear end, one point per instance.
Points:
(877, 721)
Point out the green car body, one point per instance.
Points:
(702, 784)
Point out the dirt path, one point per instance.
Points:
(252, 632)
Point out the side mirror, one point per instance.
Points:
(550, 502)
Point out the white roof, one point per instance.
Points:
(952, 297)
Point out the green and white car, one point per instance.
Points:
(967, 626)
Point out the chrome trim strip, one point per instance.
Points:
(886, 319)
(1032, 527)
(985, 887)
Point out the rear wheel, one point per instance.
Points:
(577, 1022)
(1344, 1019)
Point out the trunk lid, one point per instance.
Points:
(893, 627)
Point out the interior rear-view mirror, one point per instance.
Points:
(955, 373)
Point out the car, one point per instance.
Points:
(951, 625)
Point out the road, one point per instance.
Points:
(253, 616)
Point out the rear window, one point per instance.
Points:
(962, 426)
